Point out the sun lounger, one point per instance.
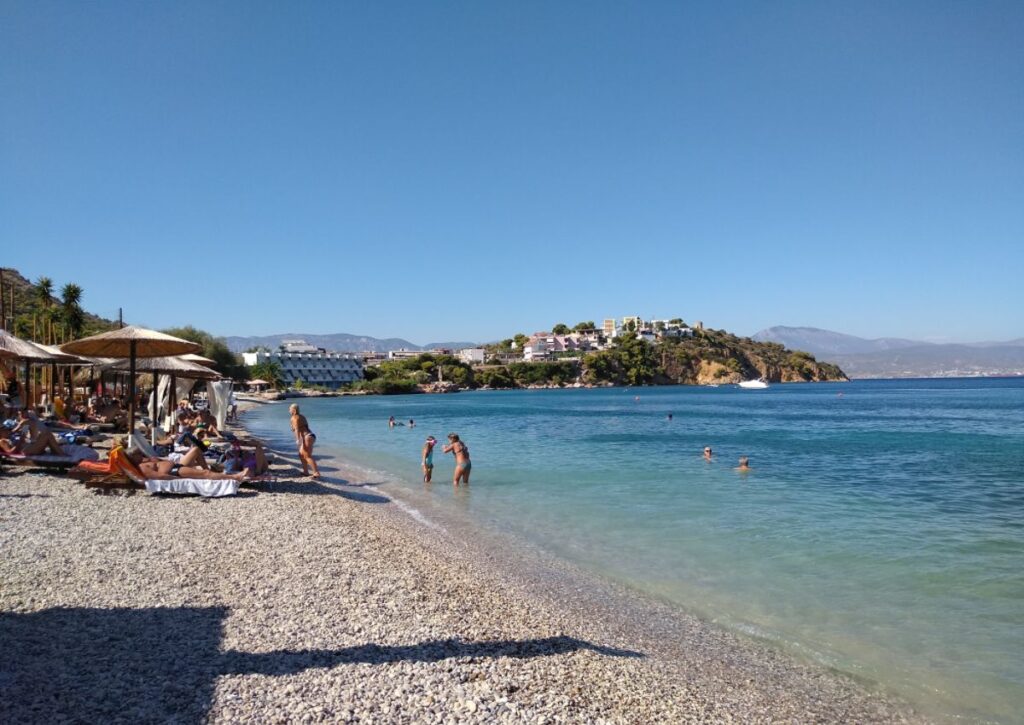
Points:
(119, 472)
(115, 472)
(73, 456)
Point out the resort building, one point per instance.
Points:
(471, 355)
(313, 366)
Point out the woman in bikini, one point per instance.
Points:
(462, 463)
(305, 439)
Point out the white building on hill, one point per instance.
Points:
(311, 365)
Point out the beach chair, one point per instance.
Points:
(74, 455)
(117, 472)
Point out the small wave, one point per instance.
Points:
(416, 514)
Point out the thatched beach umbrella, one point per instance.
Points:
(192, 357)
(175, 367)
(61, 358)
(131, 342)
(15, 347)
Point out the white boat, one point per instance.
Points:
(754, 384)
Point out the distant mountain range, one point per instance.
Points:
(889, 357)
(339, 342)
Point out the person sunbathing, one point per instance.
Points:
(42, 444)
(164, 470)
(207, 421)
(238, 459)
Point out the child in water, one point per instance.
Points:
(428, 458)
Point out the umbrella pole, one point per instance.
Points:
(26, 399)
(172, 404)
(131, 388)
(53, 382)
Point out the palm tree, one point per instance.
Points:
(71, 310)
(44, 295)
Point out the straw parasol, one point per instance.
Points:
(175, 367)
(169, 366)
(15, 347)
(131, 342)
(192, 357)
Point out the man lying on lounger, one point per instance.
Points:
(161, 470)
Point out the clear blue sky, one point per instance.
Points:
(468, 170)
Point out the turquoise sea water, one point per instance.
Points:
(881, 530)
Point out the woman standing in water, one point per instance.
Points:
(305, 439)
(462, 463)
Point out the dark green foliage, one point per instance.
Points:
(269, 371)
(227, 363)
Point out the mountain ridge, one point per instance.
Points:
(337, 342)
(896, 357)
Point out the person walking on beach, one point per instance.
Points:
(427, 458)
(462, 463)
(305, 439)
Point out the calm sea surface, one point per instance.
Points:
(881, 530)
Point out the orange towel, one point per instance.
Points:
(107, 466)
(118, 462)
(119, 458)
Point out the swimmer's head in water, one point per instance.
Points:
(707, 450)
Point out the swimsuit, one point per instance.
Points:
(464, 466)
(175, 468)
(428, 460)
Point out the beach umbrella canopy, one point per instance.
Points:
(192, 357)
(131, 342)
(256, 382)
(29, 352)
(15, 347)
(63, 358)
(169, 366)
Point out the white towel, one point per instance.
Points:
(208, 488)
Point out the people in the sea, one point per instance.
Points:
(707, 453)
(670, 416)
(391, 422)
(744, 464)
(462, 463)
(412, 423)
(305, 439)
(427, 458)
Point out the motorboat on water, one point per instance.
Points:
(758, 384)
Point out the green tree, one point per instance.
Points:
(560, 329)
(269, 371)
(520, 340)
(586, 325)
(43, 292)
(227, 363)
(71, 309)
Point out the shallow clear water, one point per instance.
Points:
(881, 530)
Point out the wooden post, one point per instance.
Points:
(131, 388)
(3, 305)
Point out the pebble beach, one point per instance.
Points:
(301, 601)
